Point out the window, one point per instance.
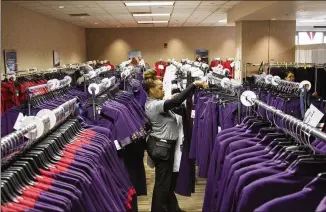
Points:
(310, 38)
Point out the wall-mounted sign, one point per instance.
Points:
(201, 55)
(56, 58)
(134, 53)
(10, 59)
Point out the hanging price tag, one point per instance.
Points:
(18, 122)
(117, 145)
(161, 67)
(193, 113)
(313, 116)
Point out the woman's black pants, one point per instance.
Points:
(164, 199)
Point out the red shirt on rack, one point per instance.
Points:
(160, 68)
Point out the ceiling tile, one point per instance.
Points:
(130, 25)
(208, 7)
(222, 9)
(83, 2)
(120, 3)
(30, 4)
(204, 24)
(232, 3)
(161, 25)
(212, 3)
(227, 6)
(189, 24)
(55, 3)
(186, 4)
(182, 11)
(110, 7)
(146, 25)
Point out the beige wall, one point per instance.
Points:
(34, 36)
(114, 44)
(268, 41)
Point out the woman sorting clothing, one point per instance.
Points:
(162, 140)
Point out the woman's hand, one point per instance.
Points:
(201, 84)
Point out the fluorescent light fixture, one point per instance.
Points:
(61, 7)
(152, 22)
(312, 21)
(150, 14)
(222, 21)
(273, 19)
(153, 3)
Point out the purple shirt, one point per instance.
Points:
(302, 201)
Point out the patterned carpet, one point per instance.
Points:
(189, 204)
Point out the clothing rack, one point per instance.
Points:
(33, 128)
(52, 85)
(97, 89)
(249, 98)
(226, 83)
(303, 86)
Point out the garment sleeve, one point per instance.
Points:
(177, 100)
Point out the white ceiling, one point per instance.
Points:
(113, 14)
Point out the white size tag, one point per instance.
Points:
(117, 145)
(161, 67)
(193, 114)
(18, 123)
(313, 116)
(219, 129)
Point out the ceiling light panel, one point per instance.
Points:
(163, 9)
(140, 9)
(150, 14)
(143, 18)
(151, 3)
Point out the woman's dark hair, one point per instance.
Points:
(149, 79)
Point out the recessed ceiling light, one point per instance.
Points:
(61, 7)
(82, 17)
(153, 3)
(312, 21)
(222, 21)
(174, 25)
(95, 23)
(151, 14)
(273, 19)
(152, 22)
(118, 26)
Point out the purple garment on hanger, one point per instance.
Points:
(302, 201)
(288, 182)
